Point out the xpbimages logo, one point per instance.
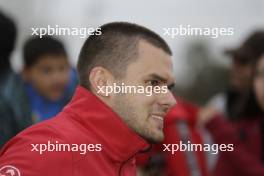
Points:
(213, 32)
(125, 89)
(190, 147)
(57, 30)
(61, 147)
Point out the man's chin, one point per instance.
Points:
(157, 138)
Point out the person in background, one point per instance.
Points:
(238, 100)
(48, 78)
(14, 109)
(45, 85)
(244, 132)
(8, 34)
(258, 81)
(258, 86)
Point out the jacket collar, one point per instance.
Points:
(117, 139)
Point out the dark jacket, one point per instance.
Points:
(14, 107)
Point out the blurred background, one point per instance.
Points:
(191, 53)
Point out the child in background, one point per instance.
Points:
(49, 79)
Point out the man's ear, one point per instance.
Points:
(99, 79)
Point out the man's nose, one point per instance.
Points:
(167, 100)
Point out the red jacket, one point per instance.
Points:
(179, 164)
(245, 160)
(85, 120)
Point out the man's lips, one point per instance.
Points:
(159, 119)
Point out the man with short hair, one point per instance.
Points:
(99, 132)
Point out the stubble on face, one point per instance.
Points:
(139, 123)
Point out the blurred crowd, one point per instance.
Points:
(47, 82)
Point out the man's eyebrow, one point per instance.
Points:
(155, 76)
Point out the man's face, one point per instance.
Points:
(259, 82)
(49, 76)
(145, 114)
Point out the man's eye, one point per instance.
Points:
(154, 82)
(170, 87)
